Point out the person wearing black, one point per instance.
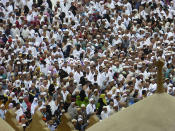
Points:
(67, 52)
(82, 95)
(73, 9)
(26, 9)
(39, 3)
(83, 79)
(101, 104)
(51, 89)
(50, 4)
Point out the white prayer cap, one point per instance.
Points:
(140, 63)
(136, 58)
(143, 2)
(92, 62)
(135, 10)
(104, 107)
(74, 120)
(18, 62)
(135, 21)
(115, 105)
(45, 26)
(109, 29)
(24, 61)
(169, 47)
(85, 60)
(20, 97)
(43, 107)
(82, 105)
(126, 67)
(95, 90)
(167, 41)
(90, 28)
(12, 93)
(70, 43)
(167, 54)
(130, 60)
(161, 32)
(80, 119)
(62, 110)
(43, 93)
(65, 78)
(34, 77)
(142, 29)
(151, 79)
(124, 94)
(35, 99)
(2, 105)
(171, 85)
(146, 27)
(91, 99)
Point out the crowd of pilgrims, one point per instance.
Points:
(83, 57)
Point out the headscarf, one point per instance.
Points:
(103, 98)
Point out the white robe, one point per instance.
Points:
(33, 106)
(64, 95)
(90, 108)
(19, 113)
(52, 106)
(104, 115)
